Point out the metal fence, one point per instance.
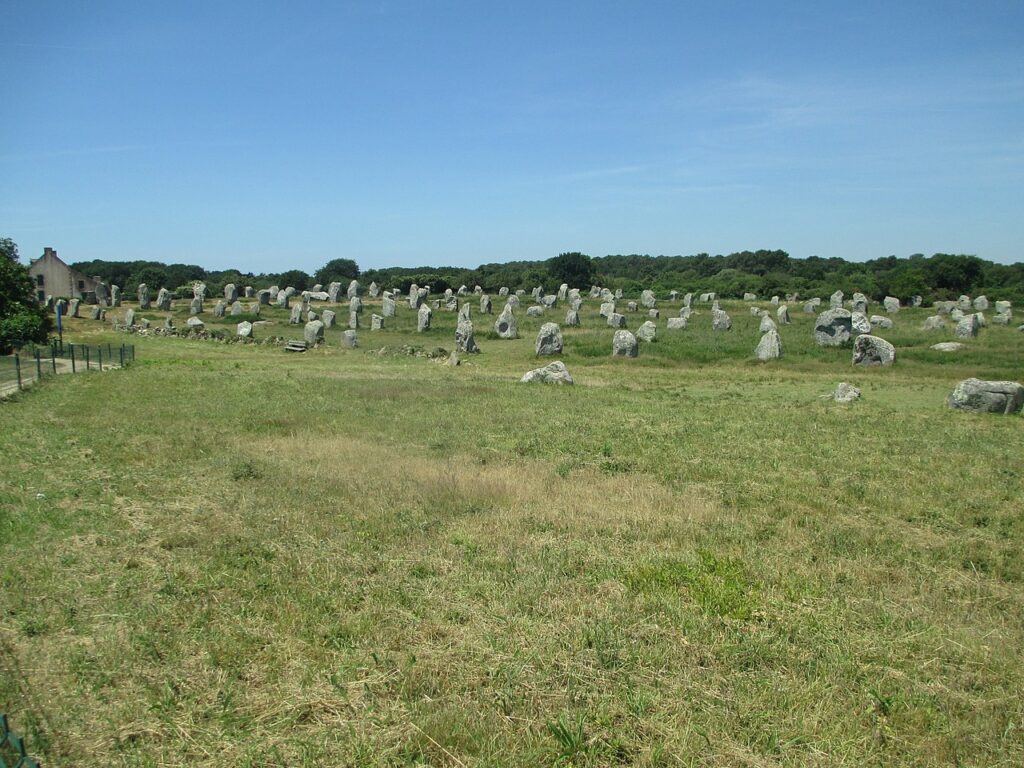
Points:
(31, 364)
(12, 748)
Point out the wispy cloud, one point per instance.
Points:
(112, 149)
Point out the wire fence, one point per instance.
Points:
(12, 748)
(30, 365)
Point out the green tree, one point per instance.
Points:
(22, 319)
(337, 271)
(575, 269)
(294, 278)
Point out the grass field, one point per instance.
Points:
(229, 555)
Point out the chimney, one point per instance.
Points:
(49, 251)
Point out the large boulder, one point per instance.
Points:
(677, 323)
(624, 344)
(833, 327)
(423, 319)
(552, 373)
(934, 323)
(615, 320)
(767, 324)
(549, 340)
(881, 321)
(647, 299)
(980, 396)
(891, 304)
(244, 330)
(873, 350)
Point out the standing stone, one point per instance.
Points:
(329, 318)
(254, 309)
(374, 290)
(891, 304)
(572, 318)
(103, 294)
(860, 303)
(249, 292)
(836, 300)
(833, 327)
(750, 296)
(199, 291)
(549, 340)
(376, 323)
(115, 295)
(720, 320)
(563, 291)
(687, 300)
(676, 323)
(647, 332)
(333, 292)
(313, 333)
(311, 316)
(775, 301)
(355, 304)
(486, 307)
(1003, 307)
(975, 395)
(632, 306)
(934, 322)
(349, 339)
(143, 296)
(353, 289)
(218, 309)
(512, 301)
(770, 346)
(535, 311)
(964, 303)
(615, 320)
(423, 319)
(129, 318)
(283, 299)
(607, 309)
(685, 312)
(96, 313)
(767, 324)
(810, 308)
(244, 329)
(505, 326)
(163, 300)
(466, 311)
(967, 327)
(782, 313)
(624, 344)
(648, 300)
(353, 320)
(873, 350)
(464, 341)
(957, 314)
(195, 307)
(296, 315)
(388, 307)
(859, 322)
(503, 292)
(73, 307)
(264, 297)
(673, 295)
(916, 301)
(549, 301)
(654, 314)
(230, 293)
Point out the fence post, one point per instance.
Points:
(17, 368)
(39, 366)
(122, 355)
(71, 349)
(99, 350)
(87, 357)
(53, 359)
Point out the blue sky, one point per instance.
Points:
(269, 136)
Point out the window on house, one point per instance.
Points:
(39, 280)
(41, 296)
(81, 285)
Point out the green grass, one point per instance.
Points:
(230, 555)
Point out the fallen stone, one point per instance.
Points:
(978, 396)
(553, 373)
(948, 346)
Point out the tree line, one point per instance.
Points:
(763, 272)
